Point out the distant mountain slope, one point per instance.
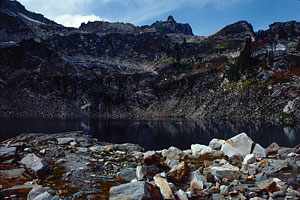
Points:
(119, 70)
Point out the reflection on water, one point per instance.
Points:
(155, 134)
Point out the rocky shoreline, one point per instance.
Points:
(74, 165)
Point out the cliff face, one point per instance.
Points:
(119, 70)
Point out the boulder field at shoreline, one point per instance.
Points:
(75, 165)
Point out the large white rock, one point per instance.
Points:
(238, 145)
(249, 159)
(174, 153)
(259, 151)
(226, 171)
(241, 145)
(199, 149)
(216, 144)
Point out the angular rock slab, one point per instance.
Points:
(141, 172)
(249, 159)
(164, 187)
(13, 173)
(196, 176)
(127, 174)
(259, 151)
(64, 141)
(240, 144)
(39, 193)
(174, 153)
(216, 144)
(199, 149)
(138, 190)
(7, 153)
(35, 164)
(230, 172)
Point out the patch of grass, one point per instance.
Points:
(284, 116)
(58, 171)
(227, 44)
(168, 61)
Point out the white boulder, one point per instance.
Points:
(199, 149)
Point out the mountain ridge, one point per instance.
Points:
(117, 70)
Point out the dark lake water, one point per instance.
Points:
(154, 134)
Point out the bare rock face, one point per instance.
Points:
(139, 190)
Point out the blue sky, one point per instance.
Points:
(205, 16)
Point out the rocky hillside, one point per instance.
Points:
(118, 70)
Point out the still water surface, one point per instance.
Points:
(154, 134)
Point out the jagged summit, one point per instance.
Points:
(171, 19)
(169, 26)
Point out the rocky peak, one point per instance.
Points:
(169, 26)
(171, 19)
(238, 30)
